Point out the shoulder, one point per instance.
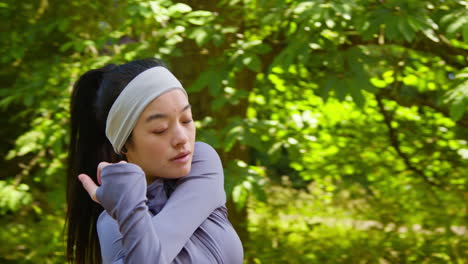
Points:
(204, 147)
(205, 150)
(205, 162)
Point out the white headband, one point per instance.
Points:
(138, 93)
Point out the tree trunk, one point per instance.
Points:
(201, 106)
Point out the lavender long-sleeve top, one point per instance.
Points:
(141, 225)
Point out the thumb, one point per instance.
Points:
(89, 186)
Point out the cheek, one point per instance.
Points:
(192, 131)
(151, 146)
(157, 147)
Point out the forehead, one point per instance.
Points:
(172, 101)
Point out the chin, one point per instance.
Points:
(179, 172)
(185, 171)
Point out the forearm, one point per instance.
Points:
(139, 239)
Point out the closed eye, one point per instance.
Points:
(159, 132)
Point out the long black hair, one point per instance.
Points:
(92, 97)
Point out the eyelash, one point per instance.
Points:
(161, 132)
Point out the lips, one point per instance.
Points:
(181, 156)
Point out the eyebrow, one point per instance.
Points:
(158, 116)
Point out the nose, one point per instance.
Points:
(180, 136)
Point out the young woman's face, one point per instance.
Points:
(162, 142)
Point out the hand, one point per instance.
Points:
(89, 184)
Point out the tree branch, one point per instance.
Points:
(420, 100)
(396, 144)
(442, 49)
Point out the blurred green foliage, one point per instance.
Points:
(342, 124)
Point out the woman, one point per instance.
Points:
(163, 195)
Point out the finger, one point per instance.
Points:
(89, 186)
(122, 161)
(100, 166)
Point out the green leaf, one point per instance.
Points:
(12, 197)
(465, 34)
(202, 81)
(455, 26)
(328, 85)
(356, 93)
(234, 134)
(304, 6)
(66, 46)
(179, 8)
(431, 34)
(252, 62)
(199, 18)
(391, 29)
(200, 35)
(414, 23)
(365, 84)
(239, 195)
(457, 109)
(29, 142)
(215, 85)
(218, 102)
(405, 29)
(341, 89)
